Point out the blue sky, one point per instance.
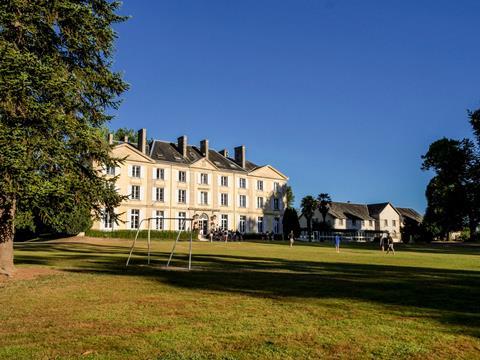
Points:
(342, 96)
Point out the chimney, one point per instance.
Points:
(204, 148)
(182, 145)
(125, 139)
(240, 156)
(110, 139)
(224, 152)
(142, 140)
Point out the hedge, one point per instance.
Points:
(143, 234)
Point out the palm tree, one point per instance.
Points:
(324, 201)
(308, 205)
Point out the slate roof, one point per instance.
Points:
(349, 211)
(250, 166)
(375, 209)
(411, 214)
(223, 162)
(166, 151)
(341, 210)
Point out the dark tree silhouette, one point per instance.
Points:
(324, 201)
(309, 205)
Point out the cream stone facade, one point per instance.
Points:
(175, 180)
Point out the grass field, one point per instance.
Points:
(241, 301)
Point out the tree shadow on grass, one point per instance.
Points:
(448, 296)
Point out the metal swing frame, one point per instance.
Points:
(182, 228)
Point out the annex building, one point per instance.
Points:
(364, 221)
(177, 180)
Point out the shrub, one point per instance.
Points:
(143, 234)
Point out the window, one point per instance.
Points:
(224, 180)
(134, 218)
(159, 224)
(394, 222)
(204, 179)
(110, 170)
(242, 223)
(182, 176)
(182, 196)
(276, 186)
(224, 199)
(243, 201)
(181, 221)
(159, 194)
(159, 174)
(136, 171)
(135, 193)
(341, 221)
(259, 202)
(276, 225)
(363, 223)
(354, 222)
(203, 197)
(224, 222)
(107, 221)
(370, 222)
(276, 204)
(260, 224)
(243, 183)
(260, 185)
(385, 222)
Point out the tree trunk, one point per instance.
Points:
(7, 231)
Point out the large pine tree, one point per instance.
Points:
(56, 88)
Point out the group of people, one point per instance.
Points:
(386, 241)
(225, 235)
(269, 235)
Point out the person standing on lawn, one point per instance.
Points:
(291, 237)
(337, 243)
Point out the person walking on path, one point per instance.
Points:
(291, 237)
(337, 243)
(390, 245)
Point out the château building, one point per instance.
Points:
(165, 180)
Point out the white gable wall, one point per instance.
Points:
(389, 220)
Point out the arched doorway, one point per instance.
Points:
(203, 224)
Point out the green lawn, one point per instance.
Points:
(242, 301)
